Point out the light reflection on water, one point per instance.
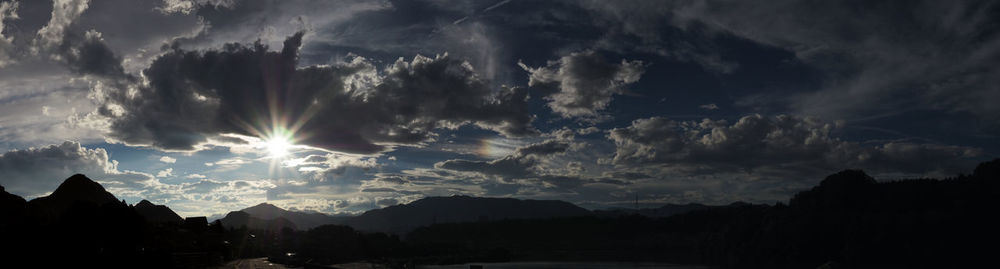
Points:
(565, 265)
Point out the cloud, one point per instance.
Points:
(522, 163)
(22, 125)
(711, 106)
(169, 172)
(203, 186)
(64, 12)
(929, 54)
(583, 83)
(168, 159)
(8, 11)
(332, 166)
(386, 201)
(198, 176)
(756, 142)
(508, 167)
(215, 92)
(36, 171)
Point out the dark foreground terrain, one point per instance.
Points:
(848, 221)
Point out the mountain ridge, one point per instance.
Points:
(399, 219)
(157, 213)
(76, 189)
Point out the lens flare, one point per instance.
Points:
(278, 147)
(277, 143)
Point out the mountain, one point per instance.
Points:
(157, 213)
(400, 219)
(237, 219)
(75, 189)
(12, 208)
(659, 212)
(302, 220)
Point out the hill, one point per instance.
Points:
(239, 219)
(400, 219)
(659, 212)
(77, 189)
(12, 208)
(849, 220)
(157, 213)
(302, 220)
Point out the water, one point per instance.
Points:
(566, 265)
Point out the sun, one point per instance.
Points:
(278, 146)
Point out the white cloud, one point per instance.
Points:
(168, 159)
(165, 172)
(64, 12)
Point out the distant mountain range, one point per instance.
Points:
(240, 219)
(403, 218)
(302, 220)
(659, 212)
(398, 219)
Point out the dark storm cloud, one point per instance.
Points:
(347, 107)
(757, 142)
(87, 54)
(582, 84)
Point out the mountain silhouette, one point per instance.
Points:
(400, 219)
(302, 220)
(157, 213)
(239, 219)
(12, 208)
(848, 189)
(75, 189)
(658, 212)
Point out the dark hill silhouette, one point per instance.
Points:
(848, 189)
(12, 208)
(75, 189)
(400, 219)
(988, 170)
(849, 220)
(302, 220)
(659, 212)
(157, 213)
(240, 219)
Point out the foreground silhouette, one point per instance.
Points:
(848, 221)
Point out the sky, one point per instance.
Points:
(343, 106)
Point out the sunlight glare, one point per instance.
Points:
(278, 146)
